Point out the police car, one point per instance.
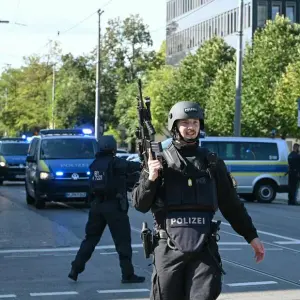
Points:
(13, 152)
(58, 166)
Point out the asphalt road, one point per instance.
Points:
(37, 247)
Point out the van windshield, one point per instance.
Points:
(14, 149)
(61, 148)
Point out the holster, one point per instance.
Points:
(147, 240)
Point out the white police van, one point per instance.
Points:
(259, 165)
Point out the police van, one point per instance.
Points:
(259, 165)
(58, 166)
(13, 152)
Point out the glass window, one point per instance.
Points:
(32, 146)
(62, 148)
(243, 150)
(235, 21)
(249, 15)
(14, 149)
(262, 13)
(291, 11)
(246, 16)
(276, 9)
(258, 151)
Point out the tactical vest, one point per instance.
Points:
(190, 198)
(101, 176)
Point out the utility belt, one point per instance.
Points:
(150, 240)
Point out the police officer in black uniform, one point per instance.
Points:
(183, 194)
(294, 174)
(109, 206)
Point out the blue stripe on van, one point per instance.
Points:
(270, 168)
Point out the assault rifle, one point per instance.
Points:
(145, 133)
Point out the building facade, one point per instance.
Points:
(192, 22)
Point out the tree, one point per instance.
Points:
(124, 43)
(265, 61)
(287, 93)
(197, 72)
(75, 92)
(219, 113)
(126, 112)
(274, 48)
(162, 96)
(27, 101)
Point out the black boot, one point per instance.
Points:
(73, 274)
(133, 279)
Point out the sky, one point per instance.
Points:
(34, 22)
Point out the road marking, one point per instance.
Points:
(123, 291)
(287, 243)
(53, 294)
(233, 243)
(273, 249)
(270, 234)
(136, 229)
(229, 249)
(251, 283)
(260, 272)
(62, 249)
(8, 296)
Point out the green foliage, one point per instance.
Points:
(271, 83)
(265, 62)
(287, 93)
(75, 92)
(159, 88)
(197, 72)
(114, 132)
(27, 101)
(126, 111)
(124, 43)
(219, 113)
(274, 48)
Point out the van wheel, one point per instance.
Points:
(265, 191)
(1, 182)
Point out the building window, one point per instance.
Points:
(249, 15)
(262, 13)
(276, 9)
(235, 21)
(291, 11)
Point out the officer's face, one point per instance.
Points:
(189, 128)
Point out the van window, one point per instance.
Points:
(243, 150)
(11, 149)
(61, 148)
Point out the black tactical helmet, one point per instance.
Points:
(185, 110)
(107, 144)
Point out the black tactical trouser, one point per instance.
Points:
(293, 182)
(179, 276)
(100, 215)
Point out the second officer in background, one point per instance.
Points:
(108, 188)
